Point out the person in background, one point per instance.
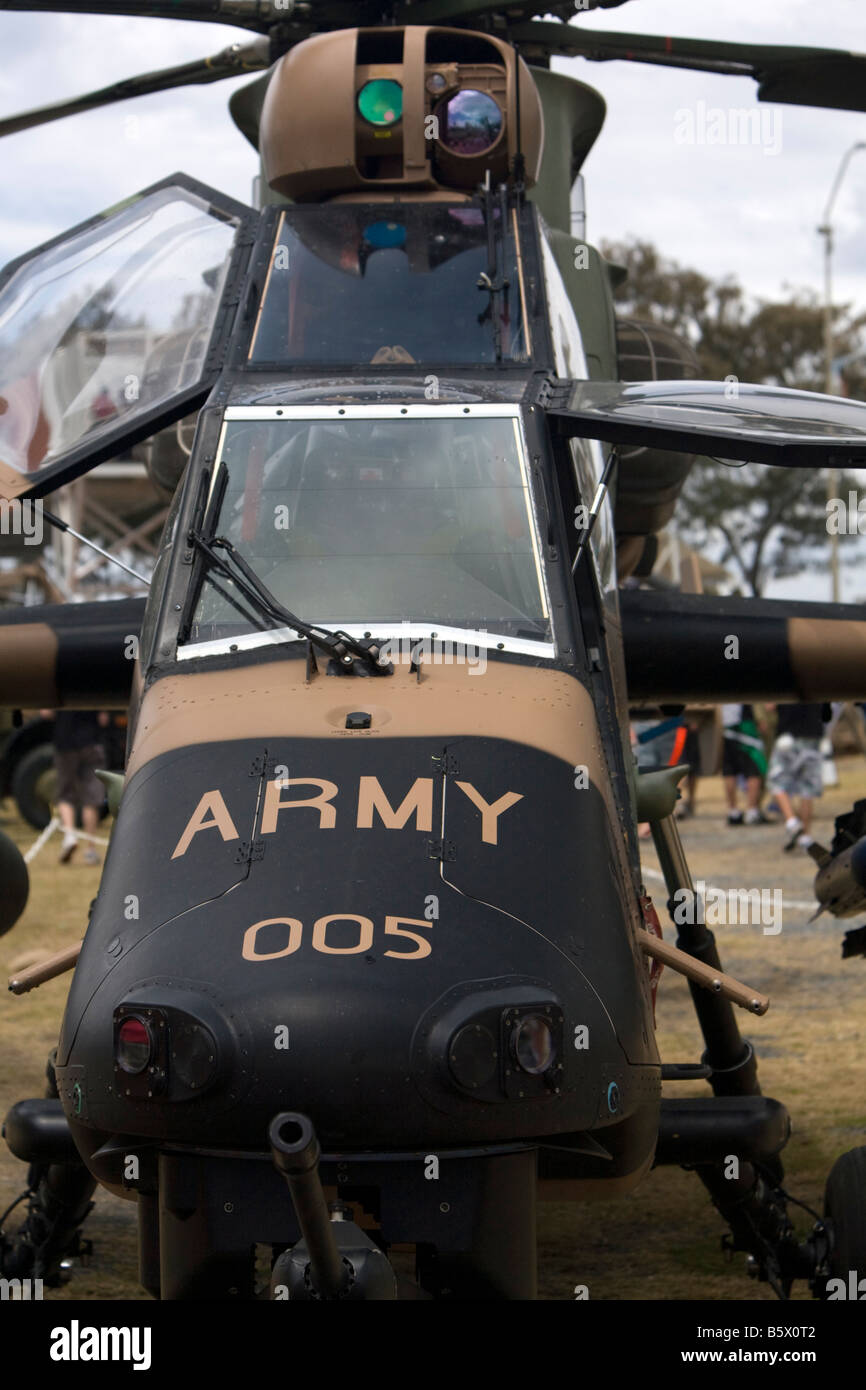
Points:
(102, 407)
(78, 752)
(796, 767)
(849, 718)
(743, 755)
(691, 754)
(658, 743)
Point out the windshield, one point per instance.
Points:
(379, 520)
(362, 284)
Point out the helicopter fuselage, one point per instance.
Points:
(403, 903)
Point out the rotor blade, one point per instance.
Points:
(243, 14)
(289, 16)
(798, 76)
(470, 11)
(231, 62)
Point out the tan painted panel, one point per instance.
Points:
(828, 658)
(311, 144)
(28, 665)
(535, 706)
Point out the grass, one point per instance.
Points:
(663, 1241)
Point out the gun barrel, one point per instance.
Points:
(295, 1151)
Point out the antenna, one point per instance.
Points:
(519, 169)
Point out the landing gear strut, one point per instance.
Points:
(58, 1193)
(747, 1192)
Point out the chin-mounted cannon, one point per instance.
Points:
(334, 1259)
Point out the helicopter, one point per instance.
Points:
(372, 964)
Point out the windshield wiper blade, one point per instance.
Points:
(340, 645)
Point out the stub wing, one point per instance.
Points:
(69, 655)
(721, 419)
(708, 648)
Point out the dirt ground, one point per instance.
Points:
(664, 1240)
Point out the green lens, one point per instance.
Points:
(381, 101)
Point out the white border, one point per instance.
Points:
(393, 630)
(503, 411)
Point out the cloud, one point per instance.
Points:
(59, 174)
(723, 208)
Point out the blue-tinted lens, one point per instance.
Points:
(381, 235)
(470, 122)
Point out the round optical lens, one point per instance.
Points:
(470, 122)
(133, 1045)
(194, 1055)
(472, 1056)
(532, 1044)
(381, 101)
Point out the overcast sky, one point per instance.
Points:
(729, 208)
(747, 210)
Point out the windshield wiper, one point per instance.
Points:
(340, 645)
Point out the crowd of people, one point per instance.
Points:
(771, 757)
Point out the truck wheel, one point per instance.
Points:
(845, 1206)
(16, 883)
(34, 785)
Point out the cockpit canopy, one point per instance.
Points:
(365, 284)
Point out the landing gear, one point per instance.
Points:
(734, 1141)
(58, 1199)
(58, 1192)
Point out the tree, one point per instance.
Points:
(766, 522)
